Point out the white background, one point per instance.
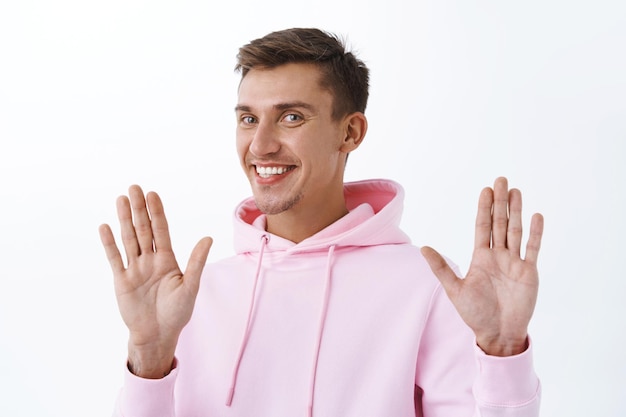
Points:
(95, 96)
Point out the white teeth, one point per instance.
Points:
(266, 172)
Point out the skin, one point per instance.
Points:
(154, 297)
(284, 120)
(497, 297)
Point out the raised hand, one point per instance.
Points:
(497, 297)
(154, 297)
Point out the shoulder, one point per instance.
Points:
(402, 263)
(390, 255)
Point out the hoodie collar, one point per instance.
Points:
(375, 211)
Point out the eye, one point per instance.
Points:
(292, 118)
(248, 120)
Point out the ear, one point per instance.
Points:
(355, 129)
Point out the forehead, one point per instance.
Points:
(285, 83)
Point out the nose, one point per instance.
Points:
(264, 140)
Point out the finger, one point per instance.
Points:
(514, 229)
(442, 270)
(129, 239)
(196, 263)
(500, 213)
(160, 229)
(482, 238)
(110, 249)
(143, 226)
(534, 239)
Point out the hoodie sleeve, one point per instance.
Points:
(456, 378)
(142, 397)
(506, 385)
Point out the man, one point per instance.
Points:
(326, 309)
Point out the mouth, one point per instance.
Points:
(270, 171)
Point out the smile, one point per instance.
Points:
(266, 172)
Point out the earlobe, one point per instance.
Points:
(355, 129)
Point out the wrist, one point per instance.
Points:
(150, 363)
(151, 371)
(498, 346)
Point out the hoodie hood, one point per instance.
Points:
(375, 212)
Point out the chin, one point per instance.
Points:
(275, 206)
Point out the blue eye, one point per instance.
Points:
(291, 117)
(248, 120)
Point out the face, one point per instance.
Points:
(290, 148)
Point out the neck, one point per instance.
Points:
(299, 223)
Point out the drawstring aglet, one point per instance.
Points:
(229, 398)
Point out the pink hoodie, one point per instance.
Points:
(349, 322)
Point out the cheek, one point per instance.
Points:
(241, 144)
(325, 151)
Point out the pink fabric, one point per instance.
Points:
(367, 322)
(244, 341)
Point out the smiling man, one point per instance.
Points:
(326, 309)
(293, 149)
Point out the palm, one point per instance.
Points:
(497, 297)
(501, 287)
(155, 282)
(154, 297)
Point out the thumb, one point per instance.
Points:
(196, 262)
(441, 269)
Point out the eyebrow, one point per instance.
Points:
(279, 106)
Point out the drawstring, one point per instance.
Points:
(320, 330)
(246, 335)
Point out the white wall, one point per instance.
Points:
(95, 96)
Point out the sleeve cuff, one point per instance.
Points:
(506, 381)
(148, 397)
